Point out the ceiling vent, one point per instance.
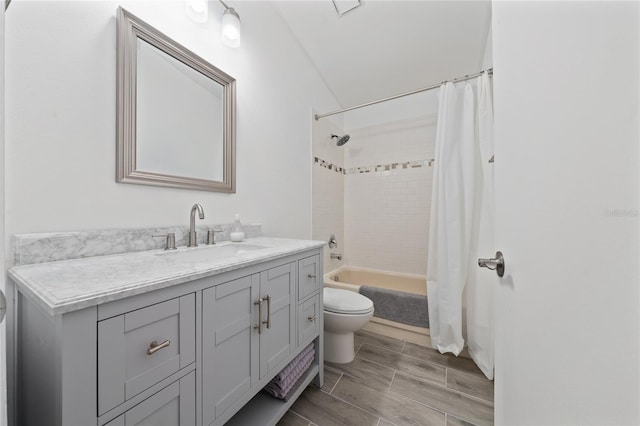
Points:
(344, 6)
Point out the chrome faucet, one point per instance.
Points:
(192, 241)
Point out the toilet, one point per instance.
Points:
(344, 313)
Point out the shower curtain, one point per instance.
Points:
(461, 226)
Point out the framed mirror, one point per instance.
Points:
(175, 113)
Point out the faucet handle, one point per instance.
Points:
(170, 242)
(211, 236)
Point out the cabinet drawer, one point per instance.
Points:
(127, 361)
(309, 276)
(173, 405)
(309, 313)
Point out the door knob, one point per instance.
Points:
(495, 264)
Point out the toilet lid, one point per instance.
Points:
(345, 301)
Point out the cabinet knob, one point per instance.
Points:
(311, 318)
(311, 276)
(155, 346)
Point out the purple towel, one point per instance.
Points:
(283, 393)
(287, 370)
(286, 380)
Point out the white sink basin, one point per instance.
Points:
(207, 253)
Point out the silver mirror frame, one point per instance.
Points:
(130, 28)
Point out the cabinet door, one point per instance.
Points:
(278, 338)
(173, 405)
(229, 344)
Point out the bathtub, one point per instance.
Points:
(351, 278)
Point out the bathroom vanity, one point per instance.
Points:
(181, 337)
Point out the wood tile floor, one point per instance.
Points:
(393, 382)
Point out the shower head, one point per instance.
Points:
(341, 139)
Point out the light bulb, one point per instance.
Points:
(231, 28)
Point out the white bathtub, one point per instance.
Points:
(351, 278)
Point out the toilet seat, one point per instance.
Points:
(346, 302)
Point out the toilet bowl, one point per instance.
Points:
(344, 313)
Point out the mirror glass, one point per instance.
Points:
(176, 113)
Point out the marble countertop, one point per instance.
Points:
(70, 285)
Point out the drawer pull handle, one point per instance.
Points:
(155, 346)
(313, 277)
(259, 325)
(311, 318)
(268, 321)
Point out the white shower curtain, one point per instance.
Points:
(461, 227)
(451, 215)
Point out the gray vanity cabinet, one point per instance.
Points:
(252, 322)
(197, 353)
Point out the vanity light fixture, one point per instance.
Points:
(230, 26)
(197, 10)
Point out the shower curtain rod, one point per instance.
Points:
(413, 92)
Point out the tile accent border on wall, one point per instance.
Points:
(375, 168)
(54, 246)
(329, 166)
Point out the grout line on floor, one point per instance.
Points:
(372, 362)
(392, 377)
(471, 397)
(359, 408)
(300, 415)
(426, 361)
(396, 369)
(440, 410)
(461, 393)
(477, 374)
(336, 383)
(446, 377)
(379, 347)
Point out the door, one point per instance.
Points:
(566, 201)
(278, 335)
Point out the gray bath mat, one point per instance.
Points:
(399, 306)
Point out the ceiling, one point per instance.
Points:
(387, 47)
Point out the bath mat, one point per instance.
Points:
(399, 306)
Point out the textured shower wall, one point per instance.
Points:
(328, 189)
(388, 194)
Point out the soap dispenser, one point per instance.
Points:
(237, 234)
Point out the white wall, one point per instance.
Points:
(566, 88)
(60, 110)
(387, 211)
